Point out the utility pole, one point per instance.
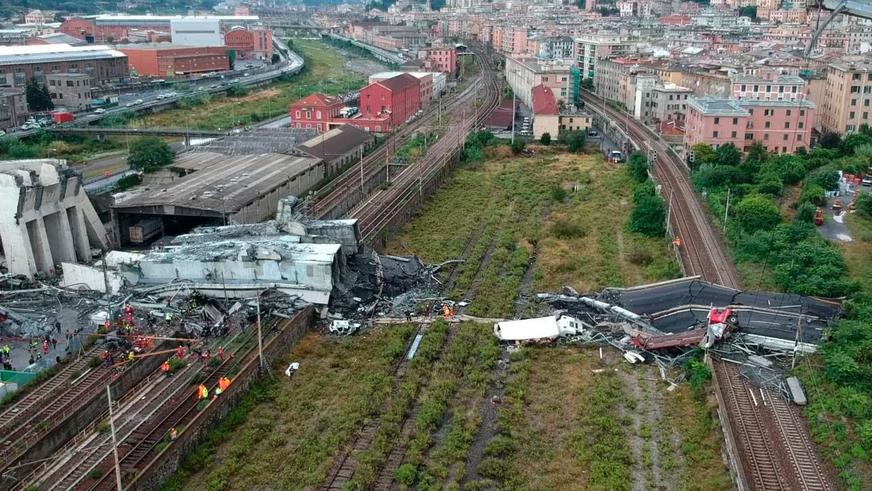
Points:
(669, 210)
(259, 336)
(727, 209)
(514, 104)
(114, 441)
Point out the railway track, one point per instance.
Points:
(774, 446)
(38, 394)
(384, 206)
(329, 200)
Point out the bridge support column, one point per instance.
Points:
(187, 141)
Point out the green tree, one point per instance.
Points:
(231, 58)
(701, 154)
(649, 216)
(756, 212)
(757, 153)
(826, 177)
(637, 166)
(728, 155)
(149, 153)
(814, 194)
(38, 97)
(864, 204)
(850, 142)
(574, 140)
(275, 58)
(805, 213)
(545, 139)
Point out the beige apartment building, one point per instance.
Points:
(523, 74)
(70, 90)
(589, 52)
(845, 105)
(614, 79)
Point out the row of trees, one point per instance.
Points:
(791, 252)
(649, 213)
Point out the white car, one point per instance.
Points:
(129, 104)
(138, 101)
(99, 110)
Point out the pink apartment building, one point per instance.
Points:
(781, 126)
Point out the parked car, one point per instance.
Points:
(867, 180)
(99, 110)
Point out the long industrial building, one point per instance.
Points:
(45, 217)
(19, 63)
(218, 189)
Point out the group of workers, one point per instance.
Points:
(203, 391)
(448, 311)
(6, 356)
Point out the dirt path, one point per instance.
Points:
(643, 408)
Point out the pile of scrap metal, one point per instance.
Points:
(690, 312)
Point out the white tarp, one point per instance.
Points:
(525, 329)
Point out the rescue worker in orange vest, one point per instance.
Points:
(446, 312)
(221, 353)
(180, 352)
(173, 433)
(165, 367)
(223, 383)
(202, 392)
(130, 355)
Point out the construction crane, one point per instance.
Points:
(856, 8)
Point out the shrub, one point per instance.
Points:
(649, 217)
(772, 187)
(826, 177)
(406, 474)
(558, 194)
(637, 166)
(864, 204)
(545, 139)
(756, 212)
(711, 176)
(574, 140)
(805, 213)
(728, 155)
(518, 146)
(814, 194)
(698, 373)
(499, 446)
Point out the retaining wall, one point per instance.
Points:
(167, 461)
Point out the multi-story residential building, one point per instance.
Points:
(846, 99)
(523, 74)
(767, 86)
(19, 63)
(661, 102)
(612, 80)
(589, 50)
(555, 47)
(425, 80)
(781, 126)
(546, 115)
(70, 90)
(440, 60)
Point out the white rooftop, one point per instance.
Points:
(13, 55)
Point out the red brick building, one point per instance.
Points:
(441, 60)
(316, 111)
(88, 31)
(250, 43)
(167, 60)
(387, 104)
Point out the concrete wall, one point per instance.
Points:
(265, 207)
(167, 461)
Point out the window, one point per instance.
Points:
(743, 88)
(788, 112)
(756, 88)
(715, 134)
(717, 120)
(799, 137)
(783, 149)
(308, 114)
(851, 115)
(733, 135)
(785, 137)
(768, 88)
(865, 115)
(318, 116)
(768, 124)
(735, 121)
(802, 112)
(765, 136)
(780, 89)
(749, 136)
(853, 102)
(787, 125)
(801, 125)
(298, 114)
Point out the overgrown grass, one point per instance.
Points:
(507, 206)
(75, 149)
(459, 380)
(373, 458)
(284, 432)
(324, 72)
